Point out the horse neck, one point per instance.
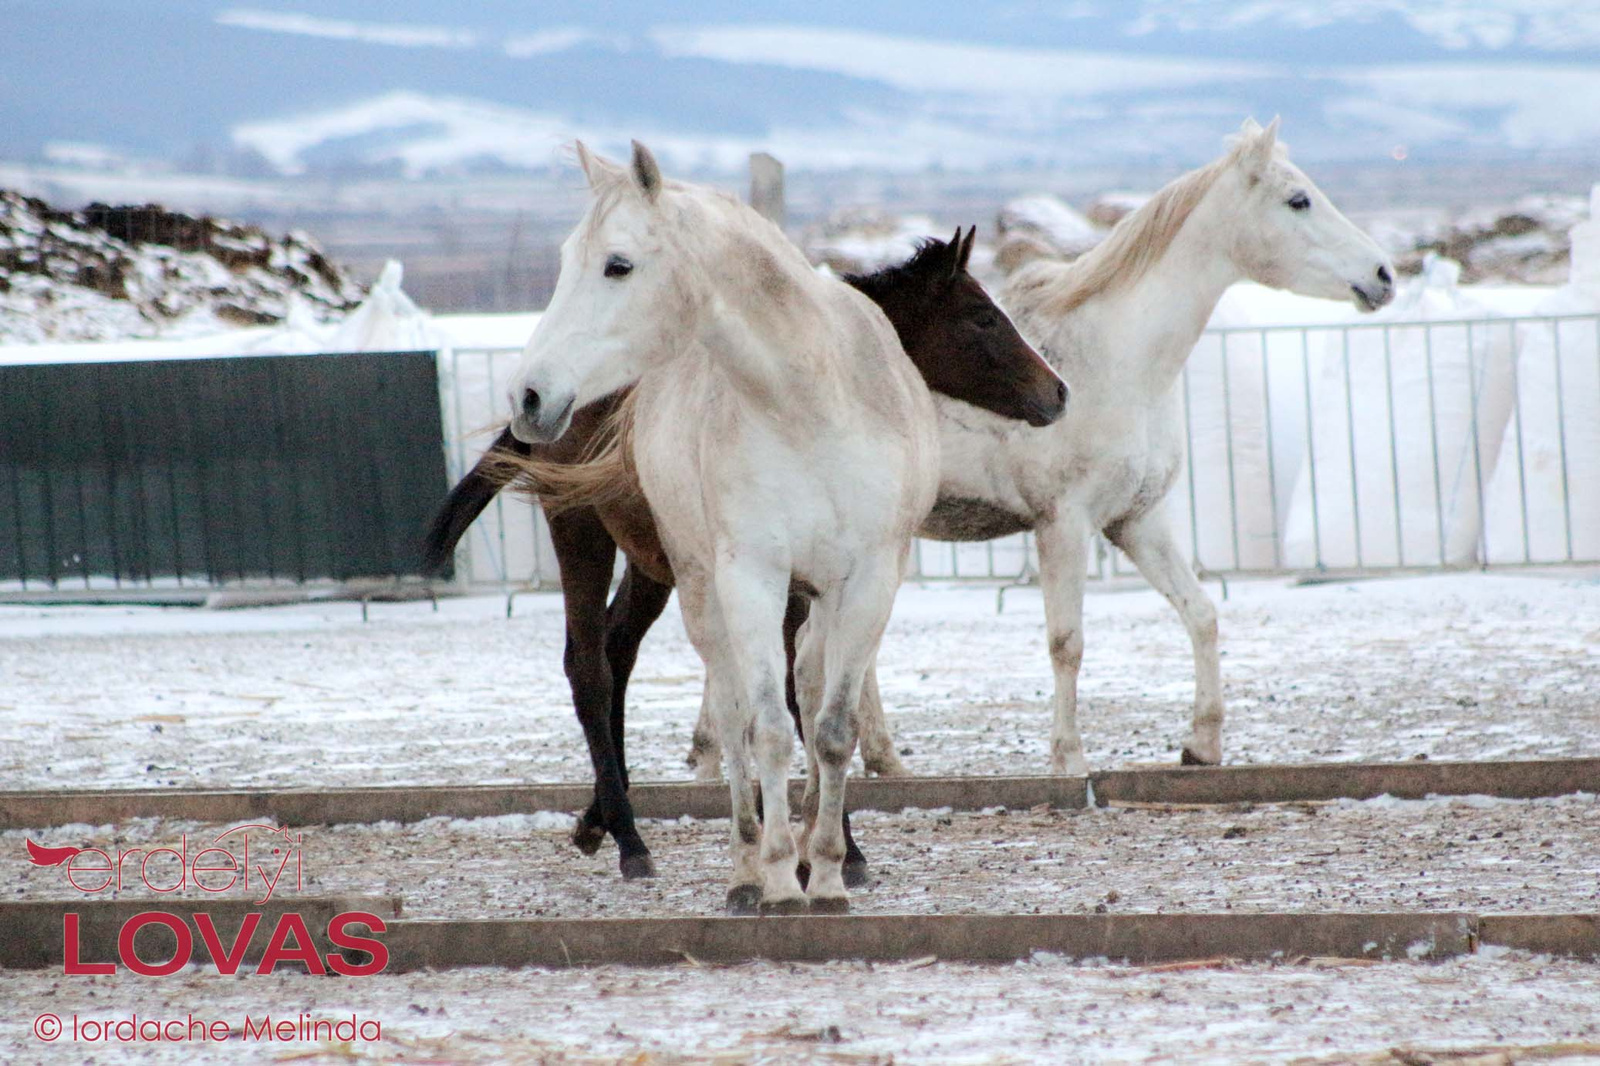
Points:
(1162, 314)
(758, 318)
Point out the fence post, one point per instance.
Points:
(766, 187)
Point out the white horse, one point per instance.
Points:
(1118, 324)
(782, 438)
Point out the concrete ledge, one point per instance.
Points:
(33, 810)
(1192, 785)
(1137, 938)
(31, 934)
(1516, 779)
(1574, 935)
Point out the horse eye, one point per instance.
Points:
(1299, 202)
(618, 267)
(988, 322)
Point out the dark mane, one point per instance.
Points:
(931, 261)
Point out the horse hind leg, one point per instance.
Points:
(878, 755)
(705, 746)
(854, 616)
(806, 678)
(1149, 543)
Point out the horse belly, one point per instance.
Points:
(966, 518)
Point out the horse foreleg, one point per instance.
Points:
(635, 608)
(1063, 569)
(721, 705)
(587, 553)
(1149, 543)
(752, 592)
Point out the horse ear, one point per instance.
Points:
(645, 172)
(953, 246)
(1261, 147)
(966, 249)
(586, 160)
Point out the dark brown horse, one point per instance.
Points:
(965, 347)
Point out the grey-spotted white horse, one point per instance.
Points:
(782, 438)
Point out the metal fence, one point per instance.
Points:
(189, 474)
(1360, 447)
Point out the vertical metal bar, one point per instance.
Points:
(955, 561)
(1311, 447)
(1272, 467)
(1477, 445)
(458, 444)
(15, 468)
(499, 497)
(141, 501)
(108, 455)
(1561, 433)
(1433, 435)
(989, 545)
(83, 524)
(1350, 436)
(1227, 437)
(1394, 457)
(1522, 470)
(200, 471)
(292, 419)
(236, 502)
(174, 515)
(53, 550)
(264, 494)
(1188, 437)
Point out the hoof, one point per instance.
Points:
(744, 899)
(588, 838)
(1189, 758)
(830, 905)
(780, 907)
(802, 873)
(635, 867)
(855, 874)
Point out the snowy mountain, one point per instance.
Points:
(338, 87)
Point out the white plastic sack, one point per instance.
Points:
(1544, 499)
(1406, 425)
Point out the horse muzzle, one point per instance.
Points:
(1043, 412)
(539, 418)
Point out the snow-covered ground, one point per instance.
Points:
(1041, 1010)
(1464, 665)
(1452, 666)
(1467, 854)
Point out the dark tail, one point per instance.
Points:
(466, 502)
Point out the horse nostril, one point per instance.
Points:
(1384, 276)
(1061, 393)
(530, 405)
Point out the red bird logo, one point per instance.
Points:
(43, 856)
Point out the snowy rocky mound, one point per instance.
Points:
(104, 273)
(1528, 243)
